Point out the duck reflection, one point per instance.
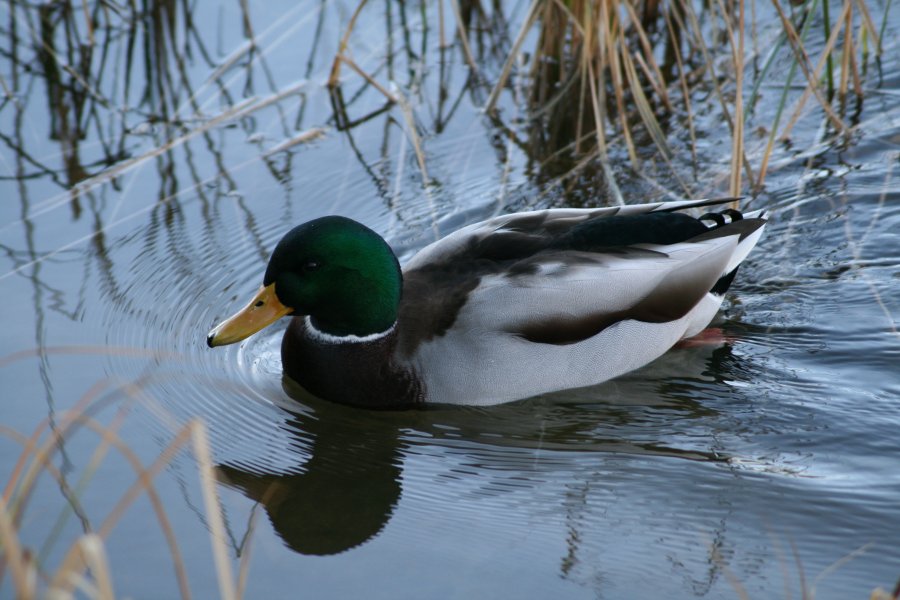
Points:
(348, 489)
(343, 495)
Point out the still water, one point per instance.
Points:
(756, 467)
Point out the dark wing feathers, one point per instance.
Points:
(744, 226)
(653, 228)
(669, 207)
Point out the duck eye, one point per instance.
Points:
(310, 265)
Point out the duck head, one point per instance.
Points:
(340, 273)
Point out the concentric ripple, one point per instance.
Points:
(180, 285)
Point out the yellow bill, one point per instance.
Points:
(264, 309)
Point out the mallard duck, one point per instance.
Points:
(516, 306)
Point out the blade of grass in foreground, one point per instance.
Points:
(85, 568)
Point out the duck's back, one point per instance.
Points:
(536, 302)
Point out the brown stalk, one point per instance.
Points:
(658, 80)
(854, 71)
(803, 61)
(851, 60)
(829, 47)
(658, 86)
(463, 36)
(837, 565)
(737, 129)
(334, 77)
(301, 138)
(737, 148)
(599, 127)
(598, 116)
(612, 37)
(93, 556)
(847, 52)
(14, 555)
(709, 67)
(409, 118)
(109, 437)
(213, 509)
(587, 42)
(511, 58)
(649, 119)
(41, 460)
(244, 565)
(88, 23)
(683, 84)
(71, 562)
(29, 446)
(870, 25)
(371, 81)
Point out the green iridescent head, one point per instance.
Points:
(339, 272)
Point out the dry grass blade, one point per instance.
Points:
(109, 437)
(694, 28)
(13, 554)
(649, 120)
(93, 555)
(786, 89)
(643, 104)
(803, 61)
(683, 83)
(844, 85)
(76, 560)
(371, 81)
(826, 51)
(870, 24)
(598, 114)
(84, 568)
(213, 510)
(73, 561)
(238, 111)
(40, 458)
(464, 36)
(696, 31)
(511, 57)
(647, 56)
(837, 565)
(29, 446)
(601, 141)
(413, 133)
(244, 566)
(737, 134)
(301, 138)
(83, 349)
(612, 36)
(852, 67)
(335, 76)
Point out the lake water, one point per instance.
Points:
(757, 467)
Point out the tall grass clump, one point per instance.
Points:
(630, 76)
(633, 69)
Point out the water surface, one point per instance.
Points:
(754, 465)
